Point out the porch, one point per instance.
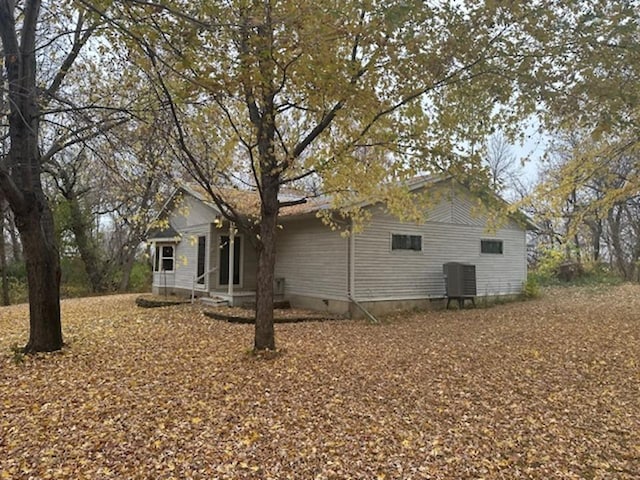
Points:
(218, 298)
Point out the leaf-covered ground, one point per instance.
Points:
(543, 389)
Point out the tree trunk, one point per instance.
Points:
(20, 178)
(94, 268)
(615, 233)
(596, 238)
(3, 263)
(127, 266)
(16, 246)
(576, 243)
(634, 221)
(265, 334)
(43, 276)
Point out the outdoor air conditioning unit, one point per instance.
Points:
(459, 280)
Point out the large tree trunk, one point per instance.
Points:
(265, 334)
(43, 276)
(20, 178)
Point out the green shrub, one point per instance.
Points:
(74, 281)
(531, 288)
(18, 291)
(17, 270)
(140, 278)
(598, 274)
(549, 264)
(73, 271)
(585, 274)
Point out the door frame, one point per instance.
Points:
(240, 260)
(203, 286)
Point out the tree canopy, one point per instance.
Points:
(354, 97)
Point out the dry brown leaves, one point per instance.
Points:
(542, 389)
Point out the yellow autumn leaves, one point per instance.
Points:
(538, 389)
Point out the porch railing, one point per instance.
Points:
(197, 279)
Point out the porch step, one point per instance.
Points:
(214, 301)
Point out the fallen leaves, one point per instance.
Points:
(542, 389)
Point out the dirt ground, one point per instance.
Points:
(548, 389)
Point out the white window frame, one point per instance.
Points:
(159, 258)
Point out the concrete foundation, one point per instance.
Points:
(381, 308)
(335, 307)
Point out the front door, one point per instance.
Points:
(224, 259)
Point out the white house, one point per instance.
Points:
(388, 265)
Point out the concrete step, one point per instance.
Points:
(214, 301)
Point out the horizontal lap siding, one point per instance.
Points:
(186, 255)
(381, 273)
(495, 274)
(190, 212)
(312, 259)
(163, 279)
(191, 218)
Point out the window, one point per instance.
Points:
(202, 242)
(491, 246)
(223, 277)
(406, 242)
(164, 258)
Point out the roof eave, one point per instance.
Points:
(175, 239)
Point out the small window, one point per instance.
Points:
(406, 242)
(491, 246)
(164, 258)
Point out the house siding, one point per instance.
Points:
(192, 219)
(163, 282)
(319, 272)
(189, 212)
(382, 274)
(312, 259)
(187, 257)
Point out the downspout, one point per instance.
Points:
(351, 284)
